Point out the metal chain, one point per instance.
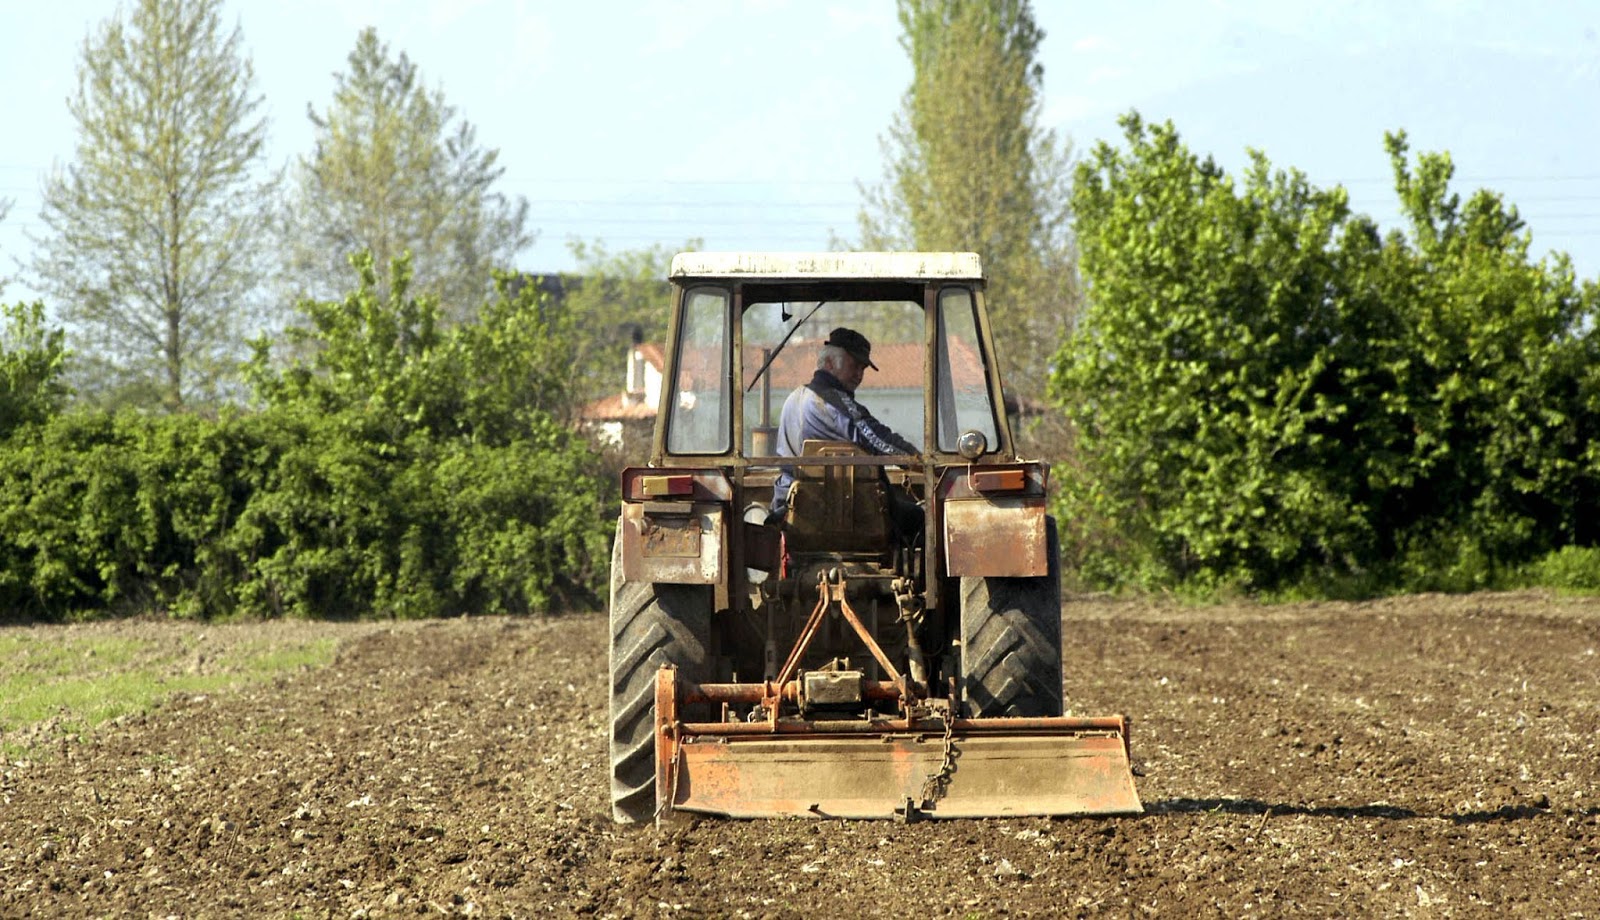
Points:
(934, 787)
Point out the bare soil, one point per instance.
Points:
(1423, 756)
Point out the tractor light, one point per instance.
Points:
(675, 485)
(972, 444)
(660, 486)
(1012, 480)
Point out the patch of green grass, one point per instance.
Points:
(58, 659)
(57, 685)
(313, 654)
(91, 700)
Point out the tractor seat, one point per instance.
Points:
(836, 509)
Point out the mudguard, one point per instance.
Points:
(679, 543)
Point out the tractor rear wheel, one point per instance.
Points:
(651, 625)
(1011, 641)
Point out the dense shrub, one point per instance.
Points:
(391, 469)
(117, 512)
(1269, 394)
(1570, 568)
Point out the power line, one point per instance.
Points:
(851, 183)
(1466, 178)
(702, 204)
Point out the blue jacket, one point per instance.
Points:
(824, 409)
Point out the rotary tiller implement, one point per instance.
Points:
(920, 760)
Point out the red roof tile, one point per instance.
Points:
(651, 352)
(612, 409)
(900, 367)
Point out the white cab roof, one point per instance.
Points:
(890, 265)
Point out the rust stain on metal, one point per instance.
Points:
(673, 535)
(996, 538)
(672, 543)
(667, 746)
(1010, 480)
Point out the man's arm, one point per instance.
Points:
(872, 434)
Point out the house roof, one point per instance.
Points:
(616, 408)
(652, 353)
(900, 363)
(899, 366)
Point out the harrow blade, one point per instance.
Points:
(896, 768)
(994, 775)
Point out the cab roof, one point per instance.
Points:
(906, 266)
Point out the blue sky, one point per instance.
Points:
(749, 123)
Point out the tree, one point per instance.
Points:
(1268, 393)
(383, 353)
(151, 248)
(1198, 376)
(969, 168)
(1496, 395)
(31, 357)
(617, 296)
(5, 208)
(428, 470)
(394, 172)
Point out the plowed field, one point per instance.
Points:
(1423, 756)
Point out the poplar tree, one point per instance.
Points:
(395, 171)
(151, 250)
(969, 168)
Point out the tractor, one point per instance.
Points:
(841, 658)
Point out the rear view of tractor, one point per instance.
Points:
(888, 646)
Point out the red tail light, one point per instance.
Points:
(661, 486)
(654, 484)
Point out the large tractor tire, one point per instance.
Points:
(651, 625)
(1011, 641)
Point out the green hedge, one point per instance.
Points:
(392, 471)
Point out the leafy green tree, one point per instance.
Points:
(969, 168)
(384, 352)
(393, 468)
(1268, 393)
(395, 172)
(31, 360)
(431, 473)
(152, 249)
(1196, 376)
(377, 350)
(1495, 391)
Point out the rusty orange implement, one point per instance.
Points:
(925, 764)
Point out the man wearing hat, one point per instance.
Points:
(825, 408)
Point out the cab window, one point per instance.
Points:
(700, 401)
(961, 378)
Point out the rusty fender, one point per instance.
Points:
(681, 543)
